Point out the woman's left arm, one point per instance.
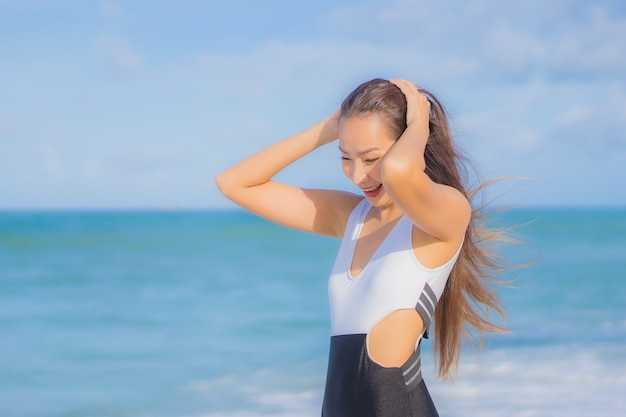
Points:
(439, 210)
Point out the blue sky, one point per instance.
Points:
(135, 104)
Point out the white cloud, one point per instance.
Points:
(502, 69)
(590, 47)
(110, 10)
(526, 82)
(507, 40)
(120, 58)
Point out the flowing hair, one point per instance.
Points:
(469, 294)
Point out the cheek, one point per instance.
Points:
(347, 168)
(374, 171)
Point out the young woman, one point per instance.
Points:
(409, 243)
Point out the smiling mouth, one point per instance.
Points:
(372, 191)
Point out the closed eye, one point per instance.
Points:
(371, 161)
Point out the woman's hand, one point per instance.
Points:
(330, 128)
(417, 105)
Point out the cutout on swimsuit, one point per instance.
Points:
(393, 339)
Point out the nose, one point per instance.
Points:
(359, 174)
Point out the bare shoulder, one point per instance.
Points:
(439, 210)
(460, 211)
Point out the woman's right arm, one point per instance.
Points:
(249, 184)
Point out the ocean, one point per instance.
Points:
(220, 313)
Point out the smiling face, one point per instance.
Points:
(363, 142)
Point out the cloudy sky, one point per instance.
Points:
(139, 104)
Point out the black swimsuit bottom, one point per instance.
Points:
(356, 386)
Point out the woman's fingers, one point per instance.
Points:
(330, 130)
(418, 106)
(407, 87)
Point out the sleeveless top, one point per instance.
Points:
(393, 279)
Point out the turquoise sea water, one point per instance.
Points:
(219, 313)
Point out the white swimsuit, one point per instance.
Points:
(392, 280)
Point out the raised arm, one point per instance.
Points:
(249, 184)
(439, 210)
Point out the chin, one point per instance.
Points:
(380, 201)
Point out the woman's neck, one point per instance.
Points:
(386, 214)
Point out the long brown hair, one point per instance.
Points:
(469, 294)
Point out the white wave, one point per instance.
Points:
(265, 393)
(540, 382)
(571, 381)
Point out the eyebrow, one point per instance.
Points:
(363, 152)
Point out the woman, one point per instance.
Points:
(409, 243)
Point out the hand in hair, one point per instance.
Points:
(330, 128)
(417, 105)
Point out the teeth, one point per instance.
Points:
(370, 189)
